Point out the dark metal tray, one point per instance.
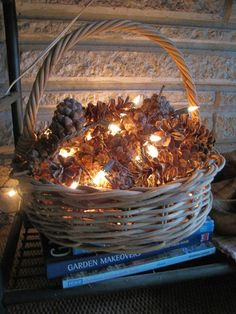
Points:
(23, 275)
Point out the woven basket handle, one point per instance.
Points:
(28, 136)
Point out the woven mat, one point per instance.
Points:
(205, 296)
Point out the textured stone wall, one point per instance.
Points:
(120, 63)
(205, 6)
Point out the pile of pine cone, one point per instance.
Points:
(79, 143)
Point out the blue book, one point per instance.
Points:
(168, 258)
(61, 262)
(208, 226)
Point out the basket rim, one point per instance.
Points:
(211, 169)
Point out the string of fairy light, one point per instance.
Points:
(114, 128)
(100, 178)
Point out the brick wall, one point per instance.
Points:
(112, 64)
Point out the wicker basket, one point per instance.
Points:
(135, 220)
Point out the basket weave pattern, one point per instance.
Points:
(135, 220)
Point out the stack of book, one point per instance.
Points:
(78, 267)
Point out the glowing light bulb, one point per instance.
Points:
(138, 101)
(67, 217)
(66, 153)
(88, 136)
(155, 138)
(137, 158)
(114, 128)
(99, 179)
(74, 185)
(152, 151)
(123, 115)
(11, 193)
(47, 132)
(192, 108)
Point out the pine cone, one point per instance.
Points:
(68, 118)
(164, 106)
(44, 147)
(123, 180)
(159, 107)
